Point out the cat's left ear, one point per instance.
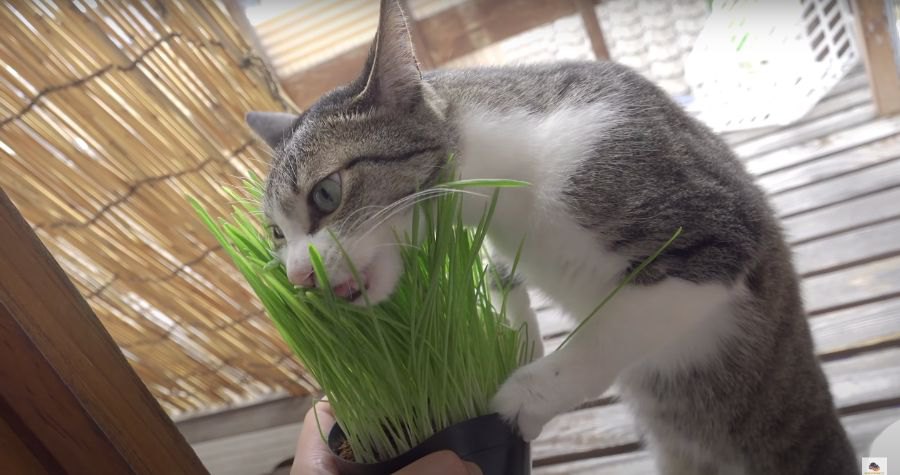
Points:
(273, 127)
(392, 75)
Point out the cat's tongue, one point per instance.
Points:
(348, 290)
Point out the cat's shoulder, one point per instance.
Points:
(543, 85)
(537, 71)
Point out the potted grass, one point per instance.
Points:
(414, 374)
(411, 375)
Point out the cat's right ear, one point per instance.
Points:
(273, 127)
(391, 75)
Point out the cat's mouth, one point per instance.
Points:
(377, 279)
(352, 290)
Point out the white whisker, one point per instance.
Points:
(421, 196)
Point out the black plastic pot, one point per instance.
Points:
(486, 441)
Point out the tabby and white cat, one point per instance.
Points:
(709, 346)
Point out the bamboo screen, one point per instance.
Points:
(110, 114)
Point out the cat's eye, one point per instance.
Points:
(277, 235)
(326, 195)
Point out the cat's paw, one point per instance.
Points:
(523, 400)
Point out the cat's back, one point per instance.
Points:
(635, 121)
(633, 113)
(546, 87)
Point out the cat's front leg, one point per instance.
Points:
(537, 392)
(640, 320)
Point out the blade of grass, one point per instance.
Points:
(627, 280)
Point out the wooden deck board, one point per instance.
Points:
(596, 430)
(830, 144)
(847, 249)
(810, 130)
(857, 329)
(856, 381)
(851, 214)
(878, 280)
(832, 166)
(861, 428)
(632, 462)
(831, 191)
(870, 377)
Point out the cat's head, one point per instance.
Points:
(348, 166)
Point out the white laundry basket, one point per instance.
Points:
(768, 62)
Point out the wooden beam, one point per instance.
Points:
(67, 393)
(877, 50)
(477, 24)
(449, 34)
(592, 28)
(239, 16)
(16, 456)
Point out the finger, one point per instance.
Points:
(440, 463)
(312, 456)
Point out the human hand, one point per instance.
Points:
(313, 457)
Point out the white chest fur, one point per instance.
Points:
(561, 258)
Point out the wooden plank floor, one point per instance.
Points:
(834, 179)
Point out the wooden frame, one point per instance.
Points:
(877, 49)
(592, 27)
(69, 401)
(445, 36)
(239, 16)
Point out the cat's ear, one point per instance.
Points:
(273, 127)
(392, 74)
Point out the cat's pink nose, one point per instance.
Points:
(302, 277)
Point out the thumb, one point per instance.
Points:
(440, 463)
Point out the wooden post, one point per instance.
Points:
(449, 34)
(592, 27)
(239, 16)
(69, 401)
(877, 51)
